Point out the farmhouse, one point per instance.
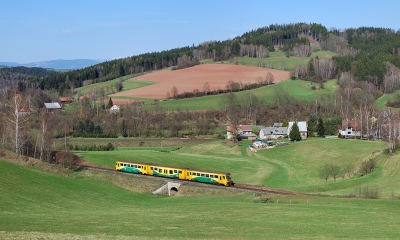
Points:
(273, 132)
(302, 128)
(114, 109)
(25, 111)
(64, 100)
(350, 129)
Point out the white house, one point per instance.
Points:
(302, 128)
(273, 132)
(114, 109)
(350, 129)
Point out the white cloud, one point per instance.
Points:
(66, 31)
(232, 36)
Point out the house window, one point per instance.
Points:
(348, 132)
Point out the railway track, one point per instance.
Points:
(237, 186)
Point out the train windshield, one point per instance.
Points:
(228, 177)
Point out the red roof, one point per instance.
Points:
(245, 128)
(65, 99)
(230, 128)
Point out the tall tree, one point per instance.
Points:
(16, 120)
(123, 128)
(320, 127)
(294, 134)
(110, 103)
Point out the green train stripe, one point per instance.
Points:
(204, 180)
(131, 170)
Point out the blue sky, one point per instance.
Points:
(103, 29)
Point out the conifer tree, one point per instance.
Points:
(110, 103)
(320, 127)
(294, 134)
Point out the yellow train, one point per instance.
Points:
(189, 174)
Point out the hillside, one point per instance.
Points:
(99, 205)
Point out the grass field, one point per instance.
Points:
(298, 89)
(37, 204)
(277, 58)
(294, 167)
(129, 82)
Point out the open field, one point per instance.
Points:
(188, 79)
(298, 89)
(94, 205)
(294, 167)
(278, 59)
(37, 204)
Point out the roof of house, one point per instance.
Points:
(302, 126)
(274, 130)
(245, 127)
(278, 124)
(230, 128)
(65, 99)
(354, 124)
(25, 110)
(53, 105)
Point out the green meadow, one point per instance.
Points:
(128, 82)
(294, 167)
(278, 59)
(39, 204)
(298, 89)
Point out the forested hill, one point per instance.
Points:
(370, 54)
(13, 76)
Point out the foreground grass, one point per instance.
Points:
(37, 204)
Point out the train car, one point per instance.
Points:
(166, 171)
(209, 177)
(132, 167)
(189, 174)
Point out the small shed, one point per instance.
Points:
(50, 107)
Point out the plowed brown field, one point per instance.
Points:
(188, 79)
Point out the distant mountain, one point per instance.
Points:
(56, 64)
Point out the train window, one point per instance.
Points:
(207, 175)
(198, 174)
(202, 174)
(160, 170)
(156, 169)
(223, 177)
(144, 168)
(179, 171)
(165, 171)
(188, 173)
(171, 172)
(175, 171)
(151, 168)
(134, 166)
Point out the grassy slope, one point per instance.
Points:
(294, 167)
(381, 102)
(276, 58)
(37, 204)
(298, 89)
(129, 82)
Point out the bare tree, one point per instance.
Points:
(174, 92)
(16, 120)
(206, 88)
